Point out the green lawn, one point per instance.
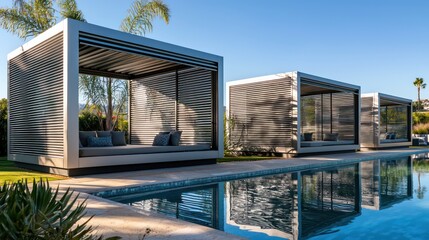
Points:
(244, 158)
(10, 173)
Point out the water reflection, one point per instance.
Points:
(385, 183)
(198, 205)
(295, 205)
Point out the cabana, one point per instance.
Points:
(170, 88)
(293, 113)
(385, 121)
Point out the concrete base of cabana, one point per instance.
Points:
(387, 145)
(115, 168)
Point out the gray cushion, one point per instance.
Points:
(83, 137)
(161, 140)
(118, 138)
(308, 136)
(175, 138)
(100, 142)
(138, 149)
(330, 137)
(394, 140)
(104, 134)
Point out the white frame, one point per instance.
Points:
(71, 160)
(296, 76)
(377, 96)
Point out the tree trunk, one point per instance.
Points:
(109, 113)
(418, 99)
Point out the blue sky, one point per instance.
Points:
(380, 45)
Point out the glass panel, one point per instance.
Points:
(394, 120)
(328, 114)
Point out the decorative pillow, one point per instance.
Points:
(83, 137)
(308, 136)
(330, 137)
(118, 138)
(80, 144)
(175, 138)
(302, 137)
(100, 142)
(161, 140)
(104, 134)
(393, 136)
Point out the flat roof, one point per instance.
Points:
(388, 97)
(294, 75)
(113, 53)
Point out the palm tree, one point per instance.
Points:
(419, 83)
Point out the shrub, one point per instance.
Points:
(3, 127)
(420, 117)
(89, 121)
(41, 213)
(421, 128)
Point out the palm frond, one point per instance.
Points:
(28, 19)
(43, 13)
(18, 4)
(68, 9)
(142, 13)
(13, 21)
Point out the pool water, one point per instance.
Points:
(379, 199)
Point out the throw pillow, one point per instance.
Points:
(308, 136)
(161, 140)
(302, 137)
(80, 144)
(330, 137)
(118, 138)
(104, 134)
(175, 138)
(83, 137)
(389, 135)
(100, 142)
(393, 136)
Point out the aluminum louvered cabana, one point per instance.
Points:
(171, 88)
(293, 113)
(386, 121)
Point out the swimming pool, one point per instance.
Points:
(375, 199)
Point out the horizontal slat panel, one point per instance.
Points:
(153, 107)
(159, 103)
(262, 113)
(36, 100)
(195, 106)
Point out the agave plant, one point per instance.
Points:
(40, 212)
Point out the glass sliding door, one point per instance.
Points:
(330, 118)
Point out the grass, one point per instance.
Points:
(244, 158)
(10, 173)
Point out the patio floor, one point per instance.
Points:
(112, 218)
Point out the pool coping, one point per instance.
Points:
(135, 189)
